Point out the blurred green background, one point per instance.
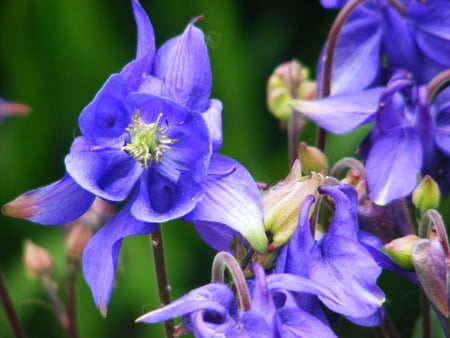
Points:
(55, 55)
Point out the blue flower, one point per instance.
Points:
(414, 36)
(212, 310)
(409, 136)
(149, 140)
(338, 259)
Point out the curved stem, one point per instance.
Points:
(328, 57)
(436, 83)
(9, 309)
(348, 162)
(161, 276)
(51, 288)
(431, 219)
(225, 260)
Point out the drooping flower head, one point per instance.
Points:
(409, 136)
(412, 35)
(149, 140)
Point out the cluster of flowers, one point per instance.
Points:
(308, 250)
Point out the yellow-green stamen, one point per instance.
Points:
(148, 142)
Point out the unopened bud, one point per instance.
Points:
(426, 195)
(400, 250)
(289, 81)
(282, 204)
(312, 159)
(78, 236)
(37, 260)
(431, 267)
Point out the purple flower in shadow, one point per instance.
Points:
(409, 135)
(413, 35)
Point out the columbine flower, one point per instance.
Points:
(338, 259)
(413, 35)
(149, 140)
(408, 137)
(212, 310)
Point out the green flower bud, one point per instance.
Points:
(400, 250)
(426, 195)
(289, 81)
(312, 159)
(282, 203)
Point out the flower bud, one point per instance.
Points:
(282, 203)
(430, 264)
(400, 250)
(37, 260)
(288, 81)
(426, 195)
(312, 159)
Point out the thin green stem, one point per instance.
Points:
(161, 276)
(13, 320)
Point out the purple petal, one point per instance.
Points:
(398, 41)
(441, 110)
(296, 323)
(136, 71)
(161, 199)
(394, 155)
(347, 266)
(357, 52)
(213, 118)
(183, 65)
(293, 256)
(345, 222)
(432, 32)
(146, 36)
(214, 297)
(109, 173)
(101, 253)
(107, 116)
(300, 284)
(232, 199)
(341, 113)
(331, 4)
(216, 235)
(262, 303)
(54, 204)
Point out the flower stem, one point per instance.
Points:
(9, 309)
(328, 56)
(426, 314)
(292, 137)
(51, 288)
(161, 276)
(225, 260)
(436, 83)
(72, 268)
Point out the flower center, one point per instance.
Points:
(148, 142)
